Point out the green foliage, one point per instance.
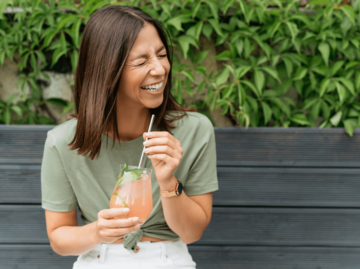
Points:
(279, 66)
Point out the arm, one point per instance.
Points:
(194, 218)
(165, 153)
(66, 238)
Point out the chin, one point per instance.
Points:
(151, 104)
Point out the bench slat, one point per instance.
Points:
(42, 256)
(228, 226)
(312, 187)
(235, 147)
(287, 147)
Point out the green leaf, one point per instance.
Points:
(315, 110)
(239, 45)
(341, 91)
(213, 8)
(293, 30)
(176, 22)
(215, 24)
(66, 20)
(325, 52)
(267, 112)
(271, 71)
(300, 73)
(259, 80)
(273, 28)
(188, 74)
(201, 70)
(195, 9)
(288, 65)
(201, 56)
(74, 59)
(349, 12)
(201, 86)
(241, 71)
(225, 55)
(11, 98)
(241, 94)
(324, 85)
(56, 101)
(349, 127)
(17, 110)
(222, 76)
(207, 31)
(336, 118)
(68, 107)
(7, 116)
(299, 119)
(357, 80)
(336, 66)
(348, 84)
(251, 86)
(56, 55)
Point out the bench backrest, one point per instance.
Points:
(288, 198)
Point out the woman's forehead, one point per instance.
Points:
(148, 41)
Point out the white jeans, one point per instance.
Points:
(164, 254)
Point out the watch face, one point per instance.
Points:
(180, 188)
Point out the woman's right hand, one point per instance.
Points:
(108, 229)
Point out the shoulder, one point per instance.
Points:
(193, 120)
(63, 133)
(194, 125)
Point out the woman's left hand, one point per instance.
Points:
(165, 153)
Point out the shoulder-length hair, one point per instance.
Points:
(105, 45)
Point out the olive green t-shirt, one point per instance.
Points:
(69, 180)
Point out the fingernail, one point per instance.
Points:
(146, 143)
(146, 150)
(126, 210)
(135, 220)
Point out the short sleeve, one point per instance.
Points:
(202, 177)
(57, 192)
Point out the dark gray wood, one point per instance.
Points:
(235, 146)
(243, 186)
(206, 257)
(287, 147)
(20, 184)
(228, 226)
(309, 187)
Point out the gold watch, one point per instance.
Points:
(178, 190)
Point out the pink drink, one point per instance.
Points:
(135, 195)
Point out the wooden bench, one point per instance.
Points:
(288, 198)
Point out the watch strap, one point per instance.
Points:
(170, 193)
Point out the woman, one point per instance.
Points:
(123, 76)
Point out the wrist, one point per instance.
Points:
(168, 185)
(94, 239)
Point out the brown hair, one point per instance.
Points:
(105, 45)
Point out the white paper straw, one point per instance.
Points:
(150, 125)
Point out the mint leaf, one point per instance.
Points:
(122, 200)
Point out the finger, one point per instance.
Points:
(163, 150)
(121, 223)
(161, 141)
(165, 158)
(122, 231)
(113, 212)
(160, 134)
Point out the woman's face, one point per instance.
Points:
(145, 72)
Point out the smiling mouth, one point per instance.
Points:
(153, 87)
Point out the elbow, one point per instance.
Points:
(57, 250)
(191, 238)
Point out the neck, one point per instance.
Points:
(132, 122)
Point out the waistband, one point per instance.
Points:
(147, 250)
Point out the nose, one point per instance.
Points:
(157, 69)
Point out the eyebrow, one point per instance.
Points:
(145, 55)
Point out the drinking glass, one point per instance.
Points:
(134, 194)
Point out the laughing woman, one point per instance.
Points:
(123, 76)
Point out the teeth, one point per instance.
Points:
(153, 88)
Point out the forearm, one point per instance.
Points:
(184, 216)
(74, 240)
